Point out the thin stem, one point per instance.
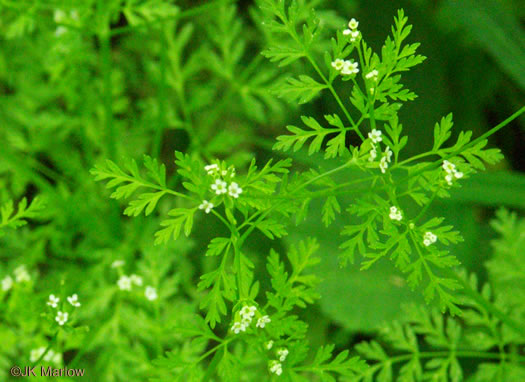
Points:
(492, 131)
(334, 93)
(293, 33)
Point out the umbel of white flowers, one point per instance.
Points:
(429, 238)
(451, 172)
(247, 314)
(20, 276)
(395, 214)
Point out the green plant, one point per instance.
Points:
(238, 312)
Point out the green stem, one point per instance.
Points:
(492, 131)
(293, 33)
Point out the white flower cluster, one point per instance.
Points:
(352, 30)
(429, 238)
(376, 137)
(50, 356)
(373, 75)
(346, 67)
(20, 276)
(247, 314)
(220, 186)
(395, 214)
(126, 283)
(117, 264)
(276, 366)
(206, 206)
(452, 173)
(60, 16)
(62, 317)
(385, 159)
(151, 293)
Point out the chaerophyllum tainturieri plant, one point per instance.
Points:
(253, 331)
(210, 275)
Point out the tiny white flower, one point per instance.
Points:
(388, 154)
(117, 264)
(353, 24)
(383, 164)
(269, 345)
(206, 206)
(60, 31)
(59, 16)
(354, 36)
(347, 32)
(350, 68)
(395, 214)
(238, 327)
(21, 274)
(373, 155)
(137, 280)
(49, 356)
(124, 283)
(276, 367)
(7, 283)
(338, 64)
(73, 300)
(234, 190)
(53, 301)
(429, 238)
(375, 136)
(449, 178)
(219, 187)
(450, 168)
(372, 75)
(282, 353)
(35, 354)
(151, 293)
(262, 321)
(62, 317)
(458, 174)
(57, 358)
(248, 311)
(211, 169)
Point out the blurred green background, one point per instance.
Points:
(58, 99)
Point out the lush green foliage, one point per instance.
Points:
(196, 262)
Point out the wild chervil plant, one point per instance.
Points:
(134, 299)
